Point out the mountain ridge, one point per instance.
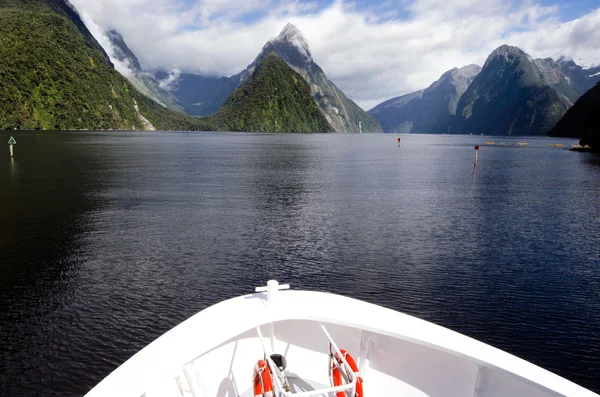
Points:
(203, 95)
(426, 111)
(509, 97)
(403, 114)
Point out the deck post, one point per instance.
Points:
(272, 288)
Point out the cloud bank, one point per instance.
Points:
(372, 52)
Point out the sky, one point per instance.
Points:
(372, 50)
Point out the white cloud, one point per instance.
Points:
(99, 34)
(370, 57)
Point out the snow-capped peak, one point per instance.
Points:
(291, 34)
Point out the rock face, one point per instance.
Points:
(427, 111)
(274, 98)
(510, 97)
(552, 75)
(582, 120)
(122, 51)
(144, 82)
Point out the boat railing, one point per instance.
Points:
(351, 386)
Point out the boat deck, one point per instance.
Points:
(214, 354)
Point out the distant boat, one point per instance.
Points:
(308, 343)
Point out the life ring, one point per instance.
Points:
(263, 384)
(336, 375)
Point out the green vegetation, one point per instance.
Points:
(274, 99)
(55, 75)
(169, 120)
(52, 80)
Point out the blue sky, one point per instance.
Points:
(372, 49)
(569, 10)
(399, 10)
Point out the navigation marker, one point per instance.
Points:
(11, 142)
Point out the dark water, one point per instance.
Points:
(107, 240)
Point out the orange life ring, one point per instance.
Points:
(263, 384)
(336, 375)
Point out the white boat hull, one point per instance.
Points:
(214, 353)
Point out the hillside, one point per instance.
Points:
(274, 99)
(582, 120)
(55, 75)
(510, 96)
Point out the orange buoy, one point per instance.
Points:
(263, 384)
(336, 376)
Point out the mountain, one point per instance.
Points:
(581, 79)
(510, 96)
(274, 98)
(341, 112)
(144, 82)
(582, 120)
(203, 95)
(55, 75)
(426, 111)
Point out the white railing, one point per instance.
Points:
(334, 389)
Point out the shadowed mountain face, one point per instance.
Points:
(509, 97)
(426, 111)
(505, 99)
(582, 120)
(198, 95)
(204, 95)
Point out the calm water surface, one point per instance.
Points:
(107, 240)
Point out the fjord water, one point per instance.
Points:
(107, 240)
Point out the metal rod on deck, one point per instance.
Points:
(333, 389)
(348, 368)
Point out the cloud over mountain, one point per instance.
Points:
(372, 52)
